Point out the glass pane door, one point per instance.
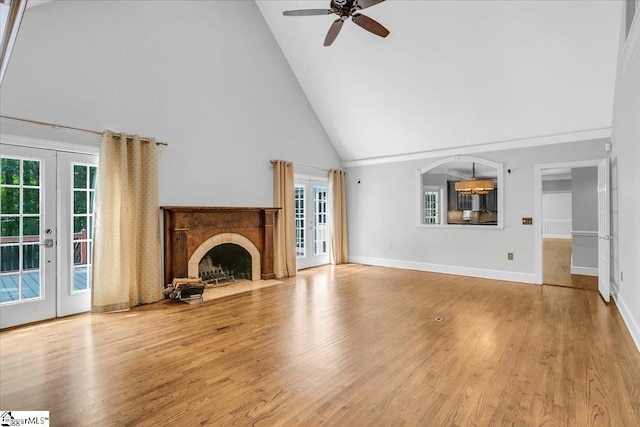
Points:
(299, 202)
(77, 174)
(84, 189)
(321, 226)
(27, 235)
(312, 227)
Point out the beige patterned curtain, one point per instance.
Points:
(126, 260)
(338, 212)
(284, 260)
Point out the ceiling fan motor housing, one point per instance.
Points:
(343, 8)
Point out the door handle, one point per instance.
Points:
(48, 243)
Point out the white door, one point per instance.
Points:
(312, 226)
(28, 235)
(76, 194)
(604, 230)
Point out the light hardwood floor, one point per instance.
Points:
(557, 266)
(347, 345)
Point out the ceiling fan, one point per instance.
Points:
(345, 9)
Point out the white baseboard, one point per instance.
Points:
(628, 319)
(585, 271)
(447, 269)
(613, 286)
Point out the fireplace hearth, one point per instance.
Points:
(191, 232)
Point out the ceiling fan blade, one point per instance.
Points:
(370, 25)
(333, 32)
(363, 4)
(307, 12)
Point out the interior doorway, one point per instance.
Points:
(583, 235)
(559, 203)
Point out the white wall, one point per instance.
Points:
(207, 77)
(625, 160)
(584, 198)
(556, 211)
(382, 217)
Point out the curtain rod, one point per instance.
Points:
(311, 167)
(305, 166)
(57, 126)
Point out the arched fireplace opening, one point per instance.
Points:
(223, 239)
(225, 262)
(191, 231)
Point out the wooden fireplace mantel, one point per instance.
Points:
(187, 227)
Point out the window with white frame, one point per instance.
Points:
(84, 189)
(299, 200)
(320, 231)
(431, 207)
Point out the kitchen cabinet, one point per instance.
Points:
(452, 196)
(457, 201)
(491, 200)
(461, 202)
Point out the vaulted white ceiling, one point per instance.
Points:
(454, 73)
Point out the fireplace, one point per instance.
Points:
(225, 262)
(193, 233)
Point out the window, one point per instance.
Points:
(20, 218)
(84, 190)
(431, 207)
(11, 12)
(300, 219)
(632, 7)
(320, 231)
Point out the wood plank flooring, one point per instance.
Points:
(557, 266)
(347, 345)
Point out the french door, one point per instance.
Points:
(46, 201)
(77, 174)
(28, 233)
(312, 225)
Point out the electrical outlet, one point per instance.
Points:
(510, 256)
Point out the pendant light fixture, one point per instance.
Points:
(474, 186)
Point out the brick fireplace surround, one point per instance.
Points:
(187, 228)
